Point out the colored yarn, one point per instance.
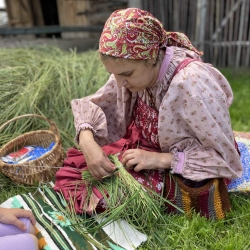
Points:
(211, 200)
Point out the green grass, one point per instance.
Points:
(44, 81)
(240, 109)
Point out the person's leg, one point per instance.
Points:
(7, 229)
(20, 241)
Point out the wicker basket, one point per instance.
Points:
(36, 171)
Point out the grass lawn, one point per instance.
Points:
(45, 81)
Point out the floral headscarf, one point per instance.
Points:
(136, 34)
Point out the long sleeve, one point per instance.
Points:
(194, 124)
(108, 112)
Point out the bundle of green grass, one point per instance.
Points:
(125, 198)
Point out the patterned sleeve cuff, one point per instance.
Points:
(177, 163)
(84, 126)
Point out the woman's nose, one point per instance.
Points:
(121, 81)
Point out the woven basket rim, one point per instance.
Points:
(55, 147)
(25, 135)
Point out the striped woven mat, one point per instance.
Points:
(56, 231)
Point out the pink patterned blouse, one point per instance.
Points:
(194, 121)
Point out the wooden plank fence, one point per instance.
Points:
(219, 28)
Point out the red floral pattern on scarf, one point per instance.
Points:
(136, 34)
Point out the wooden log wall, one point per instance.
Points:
(219, 28)
(69, 13)
(86, 13)
(24, 13)
(99, 11)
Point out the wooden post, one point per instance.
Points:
(71, 13)
(176, 25)
(192, 20)
(135, 4)
(241, 24)
(37, 13)
(236, 29)
(203, 13)
(225, 37)
(244, 38)
(162, 13)
(19, 13)
(231, 21)
(211, 27)
(170, 24)
(221, 48)
(217, 24)
(247, 60)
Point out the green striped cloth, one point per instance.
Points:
(55, 227)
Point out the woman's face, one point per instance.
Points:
(133, 75)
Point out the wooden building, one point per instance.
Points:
(65, 13)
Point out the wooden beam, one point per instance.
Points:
(49, 30)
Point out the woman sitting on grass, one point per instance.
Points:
(164, 111)
(17, 229)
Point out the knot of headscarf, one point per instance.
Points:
(136, 34)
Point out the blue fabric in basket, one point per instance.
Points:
(38, 151)
(34, 154)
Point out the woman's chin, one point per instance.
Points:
(133, 89)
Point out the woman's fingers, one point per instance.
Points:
(108, 165)
(19, 224)
(132, 157)
(131, 163)
(102, 170)
(26, 214)
(11, 215)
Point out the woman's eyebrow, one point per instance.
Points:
(126, 72)
(123, 73)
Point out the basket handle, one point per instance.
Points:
(52, 128)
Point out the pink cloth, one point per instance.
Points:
(165, 63)
(193, 117)
(180, 165)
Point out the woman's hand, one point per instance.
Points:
(11, 215)
(97, 161)
(142, 159)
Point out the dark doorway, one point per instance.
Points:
(50, 15)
